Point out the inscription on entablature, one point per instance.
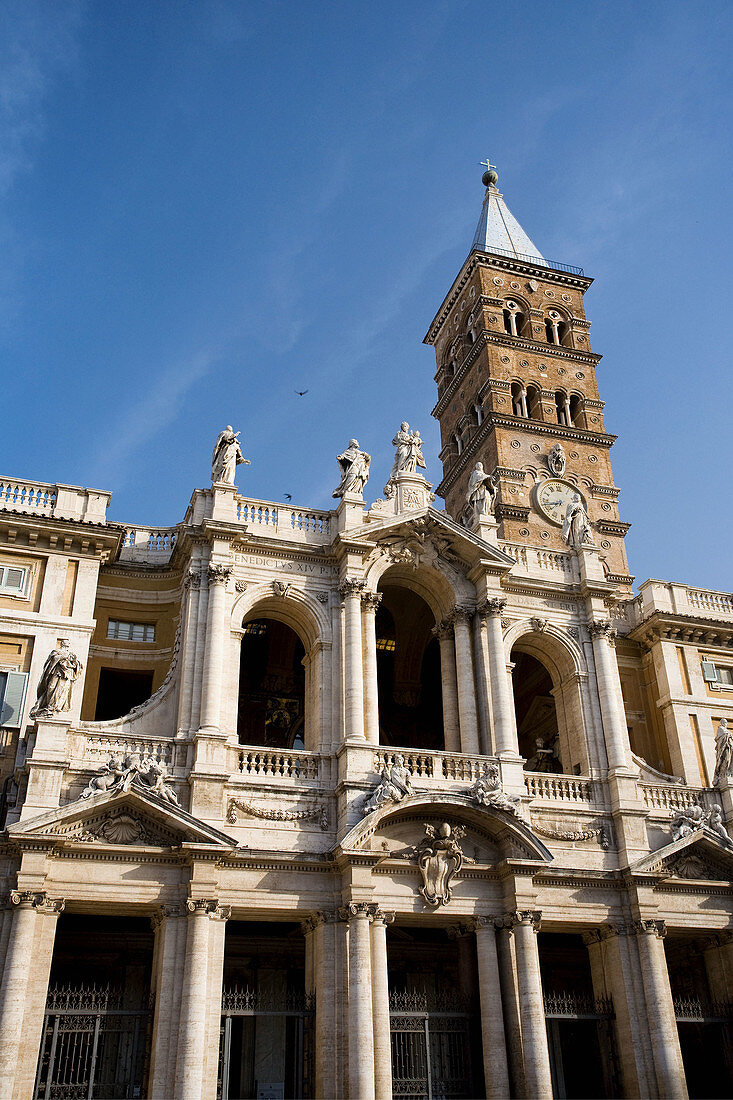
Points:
(540, 601)
(310, 569)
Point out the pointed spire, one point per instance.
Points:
(498, 230)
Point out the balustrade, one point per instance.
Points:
(559, 788)
(662, 797)
(154, 544)
(27, 496)
(298, 524)
(277, 764)
(100, 747)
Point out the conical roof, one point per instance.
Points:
(498, 230)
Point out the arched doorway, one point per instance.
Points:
(408, 671)
(536, 714)
(271, 705)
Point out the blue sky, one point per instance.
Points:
(205, 206)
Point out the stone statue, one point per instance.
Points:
(723, 752)
(487, 792)
(715, 824)
(556, 460)
(408, 456)
(544, 758)
(480, 494)
(354, 466)
(394, 785)
(576, 530)
(226, 457)
(61, 670)
(120, 775)
(440, 858)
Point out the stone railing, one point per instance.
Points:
(275, 764)
(536, 562)
(38, 498)
(682, 599)
(148, 544)
(98, 748)
(672, 799)
(547, 787)
(440, 766)
(284, 521)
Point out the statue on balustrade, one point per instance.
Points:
(394, 785)
(119, 775)
(480, 494)
(576, 529)
(60, 672)
(723, 752)
(226, 457)
(487, 791)
(354, 466)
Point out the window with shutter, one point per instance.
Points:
(709, 672)
(13, 580)
(12, 696)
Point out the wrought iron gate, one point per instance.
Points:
(431, 1050)
(91, 1048)
(296, 1011)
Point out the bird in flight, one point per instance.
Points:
(301, 393)
(287, 496)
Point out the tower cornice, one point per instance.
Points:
(478, 259)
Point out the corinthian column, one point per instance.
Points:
(24, 988)
(370, 601)
(214, 653)
(361, 1020)
(534, 1029)
(380, 1006)
(660, 1010)
(351, 590)
(466, 685)
(200, 998)
(449, 685)
(502, 700)
(496, 1073)
(611, 701)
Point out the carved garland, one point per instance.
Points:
(554, 833)
(316, 813)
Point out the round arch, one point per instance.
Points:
(295, 609)
(440, 592)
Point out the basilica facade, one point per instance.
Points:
(407, 798)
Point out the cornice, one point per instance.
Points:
(670, 626)
(476, 259)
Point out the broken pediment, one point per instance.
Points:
(700, 856)
(123, 818)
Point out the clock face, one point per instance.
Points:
(553, 497)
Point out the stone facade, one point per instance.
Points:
(411, 795)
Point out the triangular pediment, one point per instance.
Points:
(496, 834)
(125, 818)
(701, 855)
(430, 533)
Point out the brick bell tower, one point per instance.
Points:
(516, 377)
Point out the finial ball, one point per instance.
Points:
(490, 178)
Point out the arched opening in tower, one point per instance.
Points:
(536, 714)
(408, 671)
(271, 708)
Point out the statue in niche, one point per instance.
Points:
(576, 529)
(723, 752)
(120, 775)
(440, 858)
(61, 670)
(226, 457)
(487, 791)
(394, 785)
(354, 466)
(480, 494)
(556, 460)
(544, 758)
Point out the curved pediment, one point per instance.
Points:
(496, 834)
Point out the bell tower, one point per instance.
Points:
(517, 390)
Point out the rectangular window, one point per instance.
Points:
(12, 695)
(13, 580)
(717, 676)
(131, 632)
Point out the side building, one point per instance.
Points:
(386, 800)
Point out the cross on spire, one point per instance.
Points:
(488, 165)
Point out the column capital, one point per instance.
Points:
(529, 917)
(219, 574)
(314, 920)
(383, 916)
(462, 614)
(362, 910)
(602, 628)
(443, 629)
(38, 900)
(651, 928)
(165, 912)
(490, 607)
(477, 923)
(370, 601)
(351, 586)
(192, 579)
(210, 907)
